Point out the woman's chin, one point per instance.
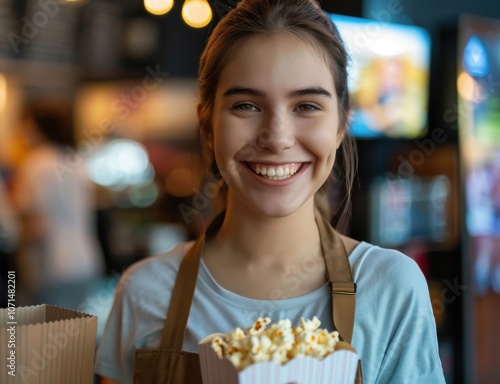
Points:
(276, 210)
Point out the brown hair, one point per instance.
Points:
(306, 20)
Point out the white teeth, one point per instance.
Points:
(276, 173)
(278, 177)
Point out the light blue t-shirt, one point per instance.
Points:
(394, 330)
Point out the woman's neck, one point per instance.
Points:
(252, 238)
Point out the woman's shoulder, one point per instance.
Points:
(154, 271)
(361, 252)
(376, 266)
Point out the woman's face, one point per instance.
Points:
(275, 124)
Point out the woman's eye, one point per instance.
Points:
(307, 107)
(245, 107)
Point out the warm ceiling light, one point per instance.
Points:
(196, 13)
(158, 7)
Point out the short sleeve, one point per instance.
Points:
(117, 342)
(412, 353)
(138, 313)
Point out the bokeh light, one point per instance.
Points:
(158, 7)
(196, 13)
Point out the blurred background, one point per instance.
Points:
(98, 156)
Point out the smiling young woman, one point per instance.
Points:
(273, 114)
(275, 134)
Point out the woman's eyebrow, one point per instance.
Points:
(315, 90)
(238, 90)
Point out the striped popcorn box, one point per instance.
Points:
(278, 354)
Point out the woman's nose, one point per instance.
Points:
(276, 133)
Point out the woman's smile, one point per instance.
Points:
(279, 173)
(275, 171)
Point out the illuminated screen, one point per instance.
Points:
(388, 77)
(409, 209)
(479, 123)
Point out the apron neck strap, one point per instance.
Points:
(338, 273)
(340, 278)
(175, 324)
(182, 297)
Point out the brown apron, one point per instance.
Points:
(170, 365)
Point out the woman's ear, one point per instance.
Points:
(209, 137)
(340, 137)
(206, 133)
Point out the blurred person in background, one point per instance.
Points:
(59, 256)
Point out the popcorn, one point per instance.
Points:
(259, 325)
(279, 342)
